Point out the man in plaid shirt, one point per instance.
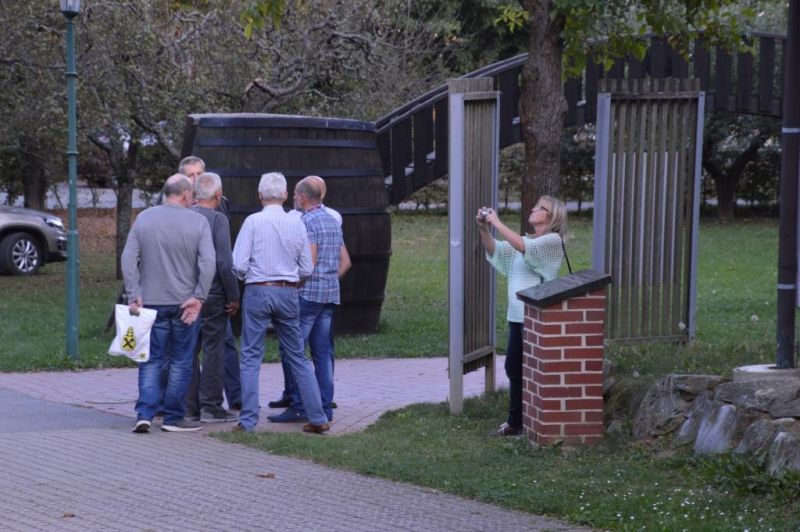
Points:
(273, 256)
(319, 295)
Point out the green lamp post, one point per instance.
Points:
(70, 10)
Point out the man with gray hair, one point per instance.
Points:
(205, 392)
(168, 265)
(344, 259)
(192, 167)
(272, 255)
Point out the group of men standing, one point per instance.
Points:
(178, 260)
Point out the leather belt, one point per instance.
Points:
(282, 284)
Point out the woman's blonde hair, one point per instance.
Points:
(558, 215)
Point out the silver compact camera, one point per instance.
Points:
(484, 213)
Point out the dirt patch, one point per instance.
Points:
(97, 229)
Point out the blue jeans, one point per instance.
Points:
(262, 305)
(233, 384)
(172, 346)
(315, 322)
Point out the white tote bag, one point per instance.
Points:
(133, 333)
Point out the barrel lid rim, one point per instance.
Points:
(319, 121)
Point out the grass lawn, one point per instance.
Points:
(624, 488)
(736, 302)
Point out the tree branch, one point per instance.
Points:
(162, 137)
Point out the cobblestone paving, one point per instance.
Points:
(70, 462)
(110, 479)
(365, 389)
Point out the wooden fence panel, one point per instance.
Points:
(766, 73)
(473, 162)
(744, 82)
(647, 192)
(401, 158)
(723, 79)
(440, 114)
(423, 146)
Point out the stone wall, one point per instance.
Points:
(713, 415)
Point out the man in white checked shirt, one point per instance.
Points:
(272, 255)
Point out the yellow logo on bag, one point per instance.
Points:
(129, 340)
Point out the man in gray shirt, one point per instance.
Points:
(169, 264)
(205, 391)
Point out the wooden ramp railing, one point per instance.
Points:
(413, 138)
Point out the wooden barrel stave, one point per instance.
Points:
(343, 152)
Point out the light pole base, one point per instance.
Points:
(763, 372)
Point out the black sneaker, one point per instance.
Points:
(283, 402)
(142, 427)
(184, 425)
(290, 415)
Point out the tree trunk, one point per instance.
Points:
(542, 106)
(124, 207)
(34, 179)
(726, 197)
(726, 178)
(123, 164)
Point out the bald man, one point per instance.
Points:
(169, 264)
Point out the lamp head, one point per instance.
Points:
(70, 7)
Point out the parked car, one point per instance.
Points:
(29, 239)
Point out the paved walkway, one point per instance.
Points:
(365, 389)
(70, 462)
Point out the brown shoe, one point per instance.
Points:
(316, 429)
(507, 430)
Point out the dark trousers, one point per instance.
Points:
(205, 389)
(514, 373)
(233, 384)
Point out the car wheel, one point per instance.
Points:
(20, 254)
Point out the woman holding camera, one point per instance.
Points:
(527, 261)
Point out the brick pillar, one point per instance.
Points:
(562, 371)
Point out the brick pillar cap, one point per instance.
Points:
(562, 288)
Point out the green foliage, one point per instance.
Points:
(745, 475)
(259, 13)
(473, 33)
(606, 30)
(10, 172)
(512, 17)
(741, 155)
(577, 164)
(760, 181)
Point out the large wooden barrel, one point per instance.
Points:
(242, 147)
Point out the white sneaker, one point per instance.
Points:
(142, 426)
(184, 425)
